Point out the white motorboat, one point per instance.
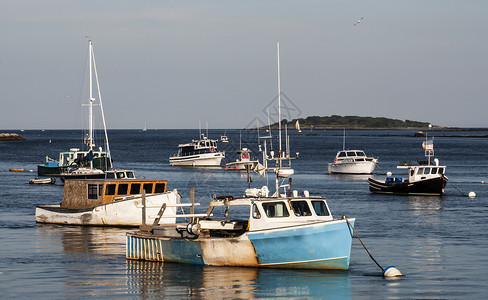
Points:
(39, 180)
(352, 162)
(198, 153)
(111, 202)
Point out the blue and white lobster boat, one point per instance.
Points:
(280, 232)
(283, 230)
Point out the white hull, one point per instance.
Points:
(123, 212)
(241, 165)
(200, 160)
(358, 167)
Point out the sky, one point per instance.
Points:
(178, 64)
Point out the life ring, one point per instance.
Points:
(212, 149)
(335, 159)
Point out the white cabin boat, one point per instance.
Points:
(110, 202)
(352, 162)
(198, 153)
(243, 162)
(424, 179)
(279, 232)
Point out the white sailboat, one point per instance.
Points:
(145, 127)
(297, 126)
(88, 170)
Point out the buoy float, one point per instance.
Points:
(472, 195)
(391, 271)
(389, 174)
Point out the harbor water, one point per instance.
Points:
(438, 243)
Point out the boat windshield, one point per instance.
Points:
(320, 208)
(301, 208)
(360, 153)
(276, 210)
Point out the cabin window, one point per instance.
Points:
(122, 190)
(301, 208)
(135, 188)
(320, 208)
(441, 171)
(255, 212)
(130, 175)
(420, 171)
(160, 188)
(120, 175)
(110, 189)
(427, 171)
(351, 153)
(93, 191)
(275, 210)
(110, 175)
(434, 171)
(148, 187)
(342, 154)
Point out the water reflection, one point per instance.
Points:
(153, 278)
(92, 260)
(359, 177)
(80, 239)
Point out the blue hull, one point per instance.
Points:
(311, 247)
(321, 245)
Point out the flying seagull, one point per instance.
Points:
(358, 21)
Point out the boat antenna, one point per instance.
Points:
(344, 141)
(279, 101)
(101, 106)
(206, 123)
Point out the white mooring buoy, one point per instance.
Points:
(472, 195)
(388, 174)
(391, 271)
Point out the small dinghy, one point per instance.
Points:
(38, 180)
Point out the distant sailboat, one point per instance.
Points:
(145, 127)
(297, 126)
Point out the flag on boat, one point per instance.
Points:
(428, 144)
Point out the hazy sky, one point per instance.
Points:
(175, 63)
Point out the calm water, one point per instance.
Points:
(439, 243)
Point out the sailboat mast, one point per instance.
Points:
(91, 100)
(101, 110)
(279, 101)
